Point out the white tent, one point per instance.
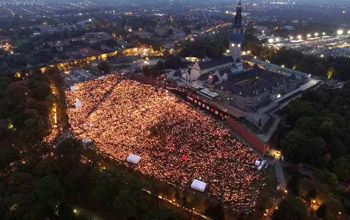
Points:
(87, 141)
(198, 185)
(132, 158)
(78, 103)
(73, 88)
(257, 163)
(262, 165)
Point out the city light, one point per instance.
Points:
(316, 34)
(324, 33)
(300, 37)
(308, 35)
(340, 32)
(270, 40)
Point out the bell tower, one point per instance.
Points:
(237, 35)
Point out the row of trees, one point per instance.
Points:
(24, 108)
(317, 134)
(47, 185)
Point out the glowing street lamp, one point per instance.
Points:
(300, 37)
(277, 39)
(340, 32)
(316, 34)
(308, 35)
(270, 41)
(324, 33)
(348, 31)
(291, 38)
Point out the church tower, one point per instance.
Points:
(237, 35)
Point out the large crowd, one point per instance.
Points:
(176, 142)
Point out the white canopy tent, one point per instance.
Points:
(87, 141)
(78, 103)
(262, 165)
(257, 163)
(198, 185)
(132, 158)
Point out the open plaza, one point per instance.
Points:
(176, 143)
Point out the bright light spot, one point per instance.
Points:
(324, 33)
(316, 34)
(291, 38)
(279, 96)
(283, 66)
(340, 32)
(75, 211)
(277, 39)
(300, 37)
(308, 35)
(270, 40)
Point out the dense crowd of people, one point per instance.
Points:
(176, 142)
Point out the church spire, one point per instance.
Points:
(238, 26)
(237, 35)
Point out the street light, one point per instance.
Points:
(340, 32)
(270, 40)
(300, 37)
(324, 33)
(316, 34)
(308, 35)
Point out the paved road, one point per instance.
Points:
(280, 175)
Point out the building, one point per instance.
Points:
(217, 68)
(244, 83)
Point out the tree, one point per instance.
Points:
(106, 185)
(65, 212)
(216, 212)
(8, 155)
(291, 144)
(69, 152)
(341, 168)
(161, 214)
(290, 208)
(48, 190)
(330, 209)
(104, 67)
